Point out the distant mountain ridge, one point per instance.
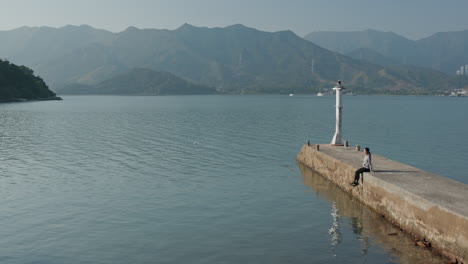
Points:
(388, 44)
(232, 59)
(372, 56)
(443, 51)
(140, 81)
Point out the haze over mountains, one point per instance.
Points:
(233, 59)
(443, 51)
(140, 81)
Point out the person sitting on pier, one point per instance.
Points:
(366, 167)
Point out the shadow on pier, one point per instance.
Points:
(392, 171)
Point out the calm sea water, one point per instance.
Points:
(208, 179)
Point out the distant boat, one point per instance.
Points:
(320, 94)
(458, 94)
(291, 94)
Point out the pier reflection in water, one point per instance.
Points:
(368, 226)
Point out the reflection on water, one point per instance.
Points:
(205, 179)
(368, 227)
(334, 231)
(357, 230)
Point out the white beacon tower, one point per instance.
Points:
(337, 138)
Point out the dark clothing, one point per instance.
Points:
(358, 173)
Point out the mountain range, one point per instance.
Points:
(233, 59)
(140, 81)
(443, 51)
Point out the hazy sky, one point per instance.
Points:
(411, 18)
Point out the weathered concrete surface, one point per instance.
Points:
(424, 204)
(366, 225)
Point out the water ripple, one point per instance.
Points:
(197, 179)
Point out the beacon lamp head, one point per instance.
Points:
(339, 85)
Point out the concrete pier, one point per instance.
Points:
(423, 204)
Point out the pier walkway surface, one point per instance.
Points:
(426, 205)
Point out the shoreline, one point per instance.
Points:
(23, 100)
(278, 94)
